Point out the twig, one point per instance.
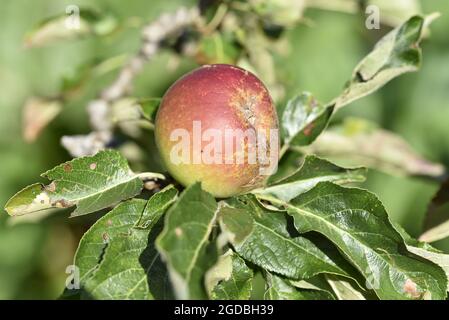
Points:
(153, 35)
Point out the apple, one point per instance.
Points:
(218, 125)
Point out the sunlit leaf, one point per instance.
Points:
(425, 250)
(184, 241)
(118, 261)
(396, 53)
(89, 183)
(261, 237)
(312, 171)
(344, 289)
(357, 223)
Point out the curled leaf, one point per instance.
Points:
(358, 142)
(436, 223)
(396, 53)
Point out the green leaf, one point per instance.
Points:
(358, 142)
(30, 199)
(288, 165)
(218, 48)
(229, 279)
(184, 241)
(356, 222)
(73, 82)
(396, 53)
(116, 222)
(73, 25)
(91, 183)
(344, 289)
(317, 283)
(131, 115)
(131, 268)
(436, 222)
(261, 237)
(278, 288)
(132, 109)
(440, 259)
(148, 107)
(425, 251)
(312, 171)
(156, 207)
(303, 119)
(126, 269)
(117, 261)
(279, 12)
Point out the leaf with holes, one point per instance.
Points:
(356, 221)
(91, 183)
(114, 257)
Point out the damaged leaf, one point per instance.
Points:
(357, 223)
(303, 119)
(118, 261)
(396, 53)
(89, 183)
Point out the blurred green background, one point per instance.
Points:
(34, 255)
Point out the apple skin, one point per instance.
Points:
(220, 97)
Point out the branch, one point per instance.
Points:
(153, 36)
